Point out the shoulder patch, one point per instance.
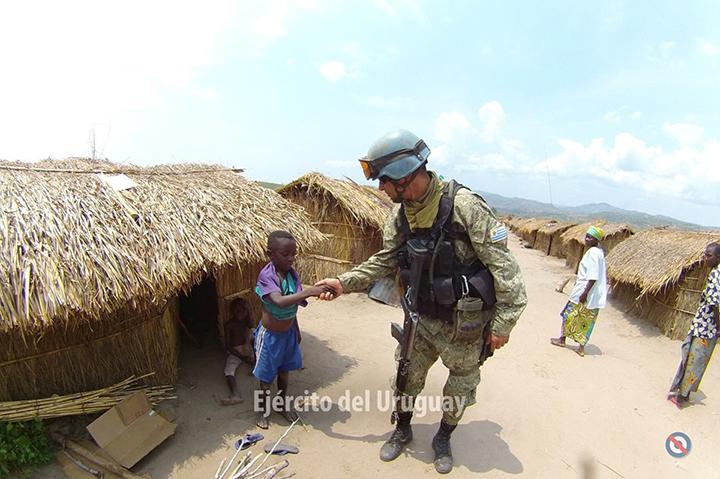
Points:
(498, 233)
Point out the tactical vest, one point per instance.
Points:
(444, 279)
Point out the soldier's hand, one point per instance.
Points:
(332, 283)
(496, 342)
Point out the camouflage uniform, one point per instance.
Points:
(435, 338)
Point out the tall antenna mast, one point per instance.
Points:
(93, 149)
(547, 171)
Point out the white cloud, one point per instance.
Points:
(270, 20)
(440, 154)
(386, 7)
(271, 24)
(333, 70)
(621, 115)
(494, 163)
(82, 63)
(683, 133)
(471, 146)
(449, 125)
(492, 118)
(350, 61)
(710, 49)
(611, 117)
(685, 172)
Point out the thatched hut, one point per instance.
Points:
(513, 222)
(573, 240)
(94, 256)
(659, 276)
(528, 230)
(352, 216)
(547, 238)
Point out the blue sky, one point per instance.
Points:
(613, 101)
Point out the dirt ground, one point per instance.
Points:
(541, 411)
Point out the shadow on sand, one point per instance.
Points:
(204, 426)
(476, 445)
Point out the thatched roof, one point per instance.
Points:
(366, 205)
(72, 246)
(653, 259)
(553, 226)
(532, 225)
(577, 233)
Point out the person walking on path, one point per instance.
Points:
(700, 342)
(588, 296)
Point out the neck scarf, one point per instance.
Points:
(422, 212)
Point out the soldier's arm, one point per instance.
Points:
(381, 264)
(490, 244)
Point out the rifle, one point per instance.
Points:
(418, 253)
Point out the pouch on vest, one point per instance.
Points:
(445, 259)
(483, 286)
(470, 319)
(444, 291)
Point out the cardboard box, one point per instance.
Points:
(130, 430)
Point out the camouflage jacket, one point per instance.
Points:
(487, 243)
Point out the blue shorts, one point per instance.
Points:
(275, 353)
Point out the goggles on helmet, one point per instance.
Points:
(372, 168)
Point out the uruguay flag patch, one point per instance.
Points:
(498, 233)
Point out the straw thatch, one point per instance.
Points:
(352, 216)
(658, 275)
(573, 240)
(90, 274)
(513, 222)
(528, 229)
(547, 238)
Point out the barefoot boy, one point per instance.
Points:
(277, 340)
(238, 344)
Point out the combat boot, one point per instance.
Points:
(441, 446)
(400, 437)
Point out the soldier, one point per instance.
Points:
(460, 313)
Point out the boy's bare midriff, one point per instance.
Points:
(275, 325)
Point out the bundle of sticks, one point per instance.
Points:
(246, 468)
(88, 402)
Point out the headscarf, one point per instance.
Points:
(596, 232)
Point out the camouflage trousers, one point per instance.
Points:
(437, 339)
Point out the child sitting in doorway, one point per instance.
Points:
(277, 338)
(238, 344)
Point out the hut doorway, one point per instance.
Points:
(199, 313)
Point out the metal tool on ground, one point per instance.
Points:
(281, 449)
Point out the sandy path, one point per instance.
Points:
(542, 411)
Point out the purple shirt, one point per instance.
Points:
(269, 282)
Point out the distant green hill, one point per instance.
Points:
(583, 213)
(271, 186)
(580, 214)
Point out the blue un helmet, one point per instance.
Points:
(395, 155)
